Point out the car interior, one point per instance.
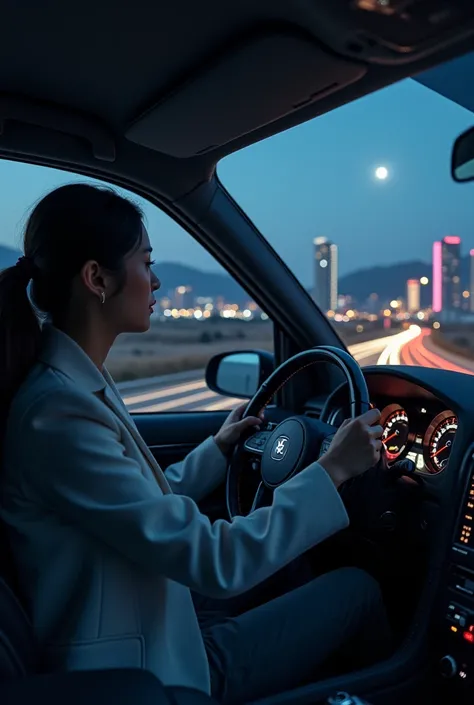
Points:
(151, 97)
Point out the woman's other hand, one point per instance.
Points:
(355, 448)
(233, 428)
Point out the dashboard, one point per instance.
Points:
(416, 424)
(423, 435)
(427, 416)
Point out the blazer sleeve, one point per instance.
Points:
(199, 473)
(72, 461)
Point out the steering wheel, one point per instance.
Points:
(278, 454)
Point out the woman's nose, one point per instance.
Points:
(155, 283)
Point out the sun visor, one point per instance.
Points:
(246, 88)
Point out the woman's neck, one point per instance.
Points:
(95, 340)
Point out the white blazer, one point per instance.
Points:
(107, 545)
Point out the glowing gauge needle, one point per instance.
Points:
(386, 440)
(439, 451)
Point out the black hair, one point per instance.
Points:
(68, 227)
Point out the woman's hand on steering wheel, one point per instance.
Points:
(355, 448)
(234, 428)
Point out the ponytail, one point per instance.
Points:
(20, 333)
(68, 227)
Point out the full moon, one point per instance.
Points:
(381, 173)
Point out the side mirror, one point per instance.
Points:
(462, 157)
(239, 374)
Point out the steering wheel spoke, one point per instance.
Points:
(268, 458)
(256, 443)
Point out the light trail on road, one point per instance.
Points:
(187, 391)
(423, 351)
(391, 353)
(190, 393)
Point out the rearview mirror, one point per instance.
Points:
(239, 374)
(462, 157)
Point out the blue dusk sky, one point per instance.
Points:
(318, 180)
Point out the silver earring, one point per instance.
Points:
(102, 298)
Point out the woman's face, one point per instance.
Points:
(133, 306)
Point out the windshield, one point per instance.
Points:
(361, 205)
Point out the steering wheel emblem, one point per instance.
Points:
(280, 448)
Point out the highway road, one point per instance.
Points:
(421, 350)
(187, 391)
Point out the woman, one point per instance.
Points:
(107, 546)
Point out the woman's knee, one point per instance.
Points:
(361, 589)
(357, 578)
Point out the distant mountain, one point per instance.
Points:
(208, 284)
(8, 256)
(388, 282)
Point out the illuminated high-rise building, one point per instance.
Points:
(447, 276)
(451, 258)
(413, 295)
(437, 303)
(471, 282)
(325, 274)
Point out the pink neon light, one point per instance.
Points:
(437, 277)
(471, 253)
(452, 240)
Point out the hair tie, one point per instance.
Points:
(26, 266)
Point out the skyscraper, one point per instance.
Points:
(471, 282)
(325, 274)
(447, 276)
(437, 304)
(451, 258)
(413, 295)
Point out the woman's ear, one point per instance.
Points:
(95, 279)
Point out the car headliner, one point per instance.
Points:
(107, 63)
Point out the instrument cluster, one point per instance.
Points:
(423, 435)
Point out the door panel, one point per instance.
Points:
(172, 436)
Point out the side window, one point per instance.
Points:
(201, 310)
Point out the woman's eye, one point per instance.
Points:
(151, 263)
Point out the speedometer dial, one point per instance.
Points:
(438, 441)
(395, 431)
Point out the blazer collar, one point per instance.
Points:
(62, 353)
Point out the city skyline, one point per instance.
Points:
(452, 295)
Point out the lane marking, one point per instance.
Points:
(165, 392)
(176, 403)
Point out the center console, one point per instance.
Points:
(455, 637)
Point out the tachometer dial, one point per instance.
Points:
(395, 431)
(438, 441)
